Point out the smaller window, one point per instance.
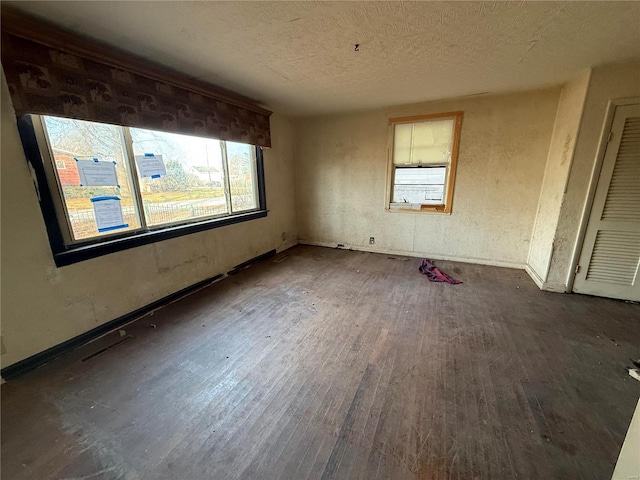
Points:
(61, 165)
(423, 162)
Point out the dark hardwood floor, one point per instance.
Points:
(323, 363)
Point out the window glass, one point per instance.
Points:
(432, 141)
(110, 179)
(193, 186)
(423, 142)
(76, 140)
(242, 176)
(424, 185)
(403, 134)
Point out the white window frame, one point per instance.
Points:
(446, 206)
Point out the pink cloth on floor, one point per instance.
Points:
(433, 274)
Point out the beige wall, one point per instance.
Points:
(505, 139)
(609, 82)
(563, 141)
(43, 305)
(519, 200)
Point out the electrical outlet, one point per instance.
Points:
(372, 240)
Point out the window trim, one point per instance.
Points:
(67, 254)
(446, 207)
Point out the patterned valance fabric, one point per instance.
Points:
(46, 80)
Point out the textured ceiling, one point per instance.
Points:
(298, 57)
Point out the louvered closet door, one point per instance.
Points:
(610, 259)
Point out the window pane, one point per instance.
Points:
(77, 139)
(193, 186)
(403, 133)
(423, 185)
(242, 176)
(432, 142)
(423, 142)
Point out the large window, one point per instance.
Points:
(109, 184)
(423, 162)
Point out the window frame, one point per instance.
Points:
(449, 185)
(67, 251)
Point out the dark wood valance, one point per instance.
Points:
(52, 72)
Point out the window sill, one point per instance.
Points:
(74, 254)
(418, 208)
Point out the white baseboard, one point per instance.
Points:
(554, 287)
(534, 276)
(542, 285)
(434, 256)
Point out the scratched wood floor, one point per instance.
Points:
(323, 363)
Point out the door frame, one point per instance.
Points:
(593, 182)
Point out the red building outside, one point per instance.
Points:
(67, 170)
